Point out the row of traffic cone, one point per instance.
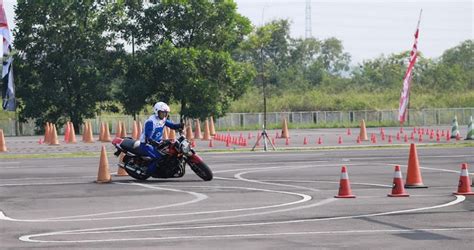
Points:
(413, 180)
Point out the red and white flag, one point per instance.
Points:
(405, 95)
(8, 87)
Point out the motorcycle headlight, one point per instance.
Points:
(185, 148)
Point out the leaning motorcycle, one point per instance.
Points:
(175, 155)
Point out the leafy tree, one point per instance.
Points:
(62, 54)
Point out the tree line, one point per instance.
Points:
(76, 59)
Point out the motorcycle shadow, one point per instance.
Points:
(157, 181)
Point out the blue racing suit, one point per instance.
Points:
(153, 130)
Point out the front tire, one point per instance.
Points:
(201, 170)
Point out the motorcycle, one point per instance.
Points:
(175, 155)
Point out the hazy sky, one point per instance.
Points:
(367, 28)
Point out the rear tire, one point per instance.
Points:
(201, 170)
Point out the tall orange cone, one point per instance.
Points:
(118, 129)
(414, 179)
(344, 185)
(140, 128)
(54, 137)
(67, 132)
(103, 176)
(212, 129)
(106, 133)
(72, 135)
(189, 131)
(197, 130)
(88, 133)
(165, 133)
(84, 131)
(207, 132)
(172, 135)
(101, 131)
(121, 171)
(3, 145)
(464, 187)
(46, 133)
(398, 189)
(284, 132)
(135, 134)
(363, 131)
(123, 130)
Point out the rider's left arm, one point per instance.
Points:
(172, 125)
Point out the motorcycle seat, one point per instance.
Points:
(132, 146)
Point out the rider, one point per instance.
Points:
(153, 132)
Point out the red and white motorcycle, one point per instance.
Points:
(175, 155)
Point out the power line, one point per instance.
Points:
(308, 29)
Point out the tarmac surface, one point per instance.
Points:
(257, 200)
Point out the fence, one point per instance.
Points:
(425, 117)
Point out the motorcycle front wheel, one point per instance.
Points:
(202, 170)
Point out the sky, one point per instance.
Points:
(370, 28)
(367, 28)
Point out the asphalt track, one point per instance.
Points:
(257, 200)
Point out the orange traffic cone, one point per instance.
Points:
(54, 137)
(106, 133)
(284, 132)
(139, 129)
(349, 132)
(118, 129)
(212, 129)
(339, 141)
(72, 135)
(67, 132)
(123, 130)
(172, 135)
(207, 132)
(197, 130)
(305, 141)
(46, 133)
(414, 179)
(103, 175)
(101, 131)
(363, 131)
(189, 132)
(121, 171)
(135, 134)
(211, 144)
(464, 187)
(344, 185)
(3, 146)
(165, 133)
(397, 189)
(320, 140)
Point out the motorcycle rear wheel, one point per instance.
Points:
(201, 170)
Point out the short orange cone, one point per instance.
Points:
(349, 132)
(363, 131)
(284, 131)
(3, 146)
(344, 185)
(305, 141)
(121, 171)
(67, 132)
(414, 179)
(103, 175)
(397, 189)
(211, 144)
(464, 187)
(339, 141)
(320, 140)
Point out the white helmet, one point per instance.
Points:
(161, 106)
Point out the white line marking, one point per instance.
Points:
(28, 238)
(199, 197)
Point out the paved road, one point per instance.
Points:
(272, 200)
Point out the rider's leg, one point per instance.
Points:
(151, 152)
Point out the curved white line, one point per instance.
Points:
(199, 197)
(27, 238)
